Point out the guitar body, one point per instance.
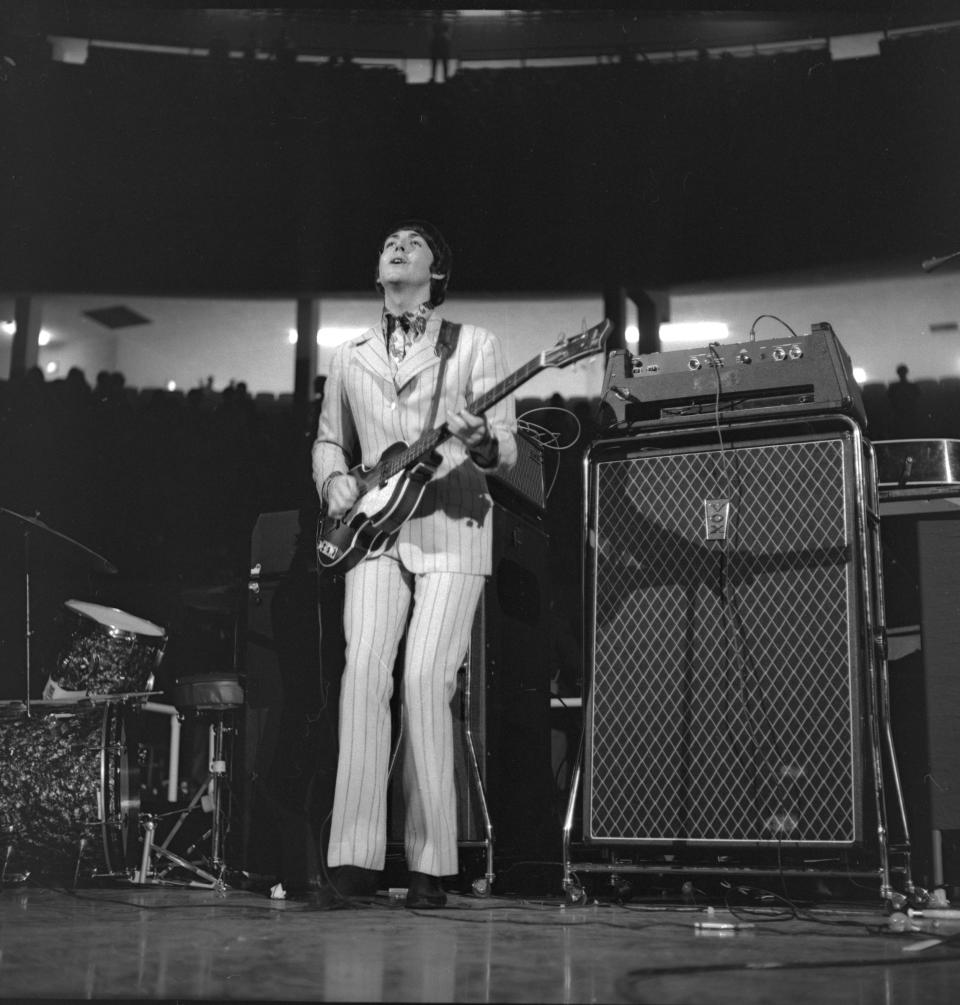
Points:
(391, 490)
(371, 526)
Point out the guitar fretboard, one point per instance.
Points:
(431, 440)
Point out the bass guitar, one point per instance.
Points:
(391, 489)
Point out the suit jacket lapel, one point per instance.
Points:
(422, 354)
(372, 354)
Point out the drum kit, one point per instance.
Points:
(70, 788)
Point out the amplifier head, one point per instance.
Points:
(740, 381)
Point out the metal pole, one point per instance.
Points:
(26, 578)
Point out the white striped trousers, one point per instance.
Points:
(378, 598)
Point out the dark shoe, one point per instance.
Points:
(347, 885)
(424, 892)
(352, 881)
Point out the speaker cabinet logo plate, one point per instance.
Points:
(716, 513)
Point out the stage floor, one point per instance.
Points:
(128, 942)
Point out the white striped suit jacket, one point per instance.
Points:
(366, 409)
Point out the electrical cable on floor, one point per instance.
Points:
(626, 985)
(150, 891)
(794, 912)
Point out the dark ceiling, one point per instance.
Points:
(171, 173)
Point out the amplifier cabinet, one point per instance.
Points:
(523, 487)
(921, 556)
(726, 649)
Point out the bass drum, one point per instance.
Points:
(69, 791)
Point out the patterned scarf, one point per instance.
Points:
(401, 331)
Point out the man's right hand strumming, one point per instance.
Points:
(342, 492)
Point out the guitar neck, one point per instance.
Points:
(430, 440)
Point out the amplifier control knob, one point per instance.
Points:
(744, 357)
(796, 352)
(779, 354)
(693, 363)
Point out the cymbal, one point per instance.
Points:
(75, 549)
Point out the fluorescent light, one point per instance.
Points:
(68, 50)
(855, 46)
(336, 336)
(701, 332)
(329, 336)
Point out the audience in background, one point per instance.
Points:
(163, 485)
(168, 486)
(440, 49)
(906, 417)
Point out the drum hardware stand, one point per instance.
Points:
(18, 877)
(210, 788)
(28, 631)
(76, 871)
(216, 695)
(144, 876)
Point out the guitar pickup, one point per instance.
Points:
(328, 549)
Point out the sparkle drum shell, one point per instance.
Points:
(69, 791)
(107, 651)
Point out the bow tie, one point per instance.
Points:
(407, 321)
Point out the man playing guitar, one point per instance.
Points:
(403, 377)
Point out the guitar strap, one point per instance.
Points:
(446, 346)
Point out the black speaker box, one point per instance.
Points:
(727, 640)
(293, 663)
(921, 560)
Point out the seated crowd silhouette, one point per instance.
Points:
(171, 482)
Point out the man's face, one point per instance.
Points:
(406, 257)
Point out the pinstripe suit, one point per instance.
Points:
(433, 575)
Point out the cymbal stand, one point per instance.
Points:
(91, 557)
(29, 631)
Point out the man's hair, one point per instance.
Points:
(442, 257)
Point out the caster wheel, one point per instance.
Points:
(481, 887)
(898, 901)
(576, 895)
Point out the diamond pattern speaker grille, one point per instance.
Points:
(724, 698)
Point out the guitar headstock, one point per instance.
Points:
(570, 348)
